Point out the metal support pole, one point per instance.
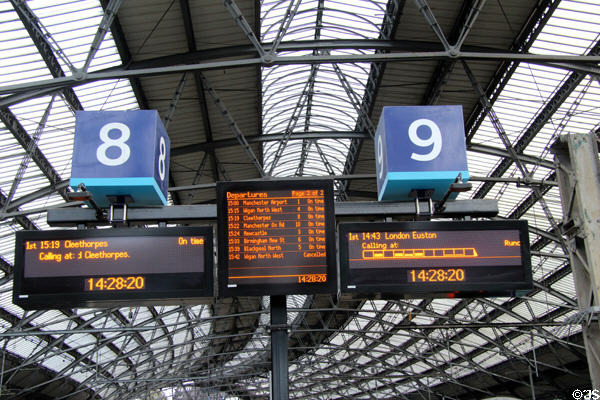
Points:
(279, 349)
(578, 172)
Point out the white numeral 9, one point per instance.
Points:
(380, 156)
(162, 169)
(119, 142)
(435, 139)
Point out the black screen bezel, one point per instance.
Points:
(388, 288)
(330, 286)
(83, 299)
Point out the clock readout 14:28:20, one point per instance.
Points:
(436, 275)
(110, 283)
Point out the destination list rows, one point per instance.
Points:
(276, 228)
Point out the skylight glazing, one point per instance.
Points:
(318, 99)
(528, 92)
(49, 120)
(133, 352)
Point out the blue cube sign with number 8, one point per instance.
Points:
(121, 153)
(419, 148)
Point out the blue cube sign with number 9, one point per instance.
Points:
(419, 148)
(121, 153)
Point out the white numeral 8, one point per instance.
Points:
(119, 142)
(162, 169)
(435, 139)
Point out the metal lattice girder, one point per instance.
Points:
(57, 344)
(359, 106)
(321, 316)
(553, 292)
(468, 356)
(537, 192)
(540, 16)
(65, 384)
(27, 157)
(244, 316)
(208, 133)
(239, 135)
(489, 317)
(5, 267)
(128, 73)
(428, 327)
(392, 365)
(463, 23)
(140, 370)
(450, 389)
(10, 120)
(306, 144)
(200, 169)
(168, 117)
(388, 29)
(239, 18)
(47, 51)
(81, 326)
(487, 106)
(109, 14)
(383, 47)
(388, 378)
(324, 160)
(275, 137)
(293, 120)
(216, 166)
(283, 28)
(43, 40)
(435, 26)
(495, 151)
(14, 126)
(531, 200)
(541, 119)
(126, 57)
(22, 220)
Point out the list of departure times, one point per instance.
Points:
(280, 225)
(276, 237)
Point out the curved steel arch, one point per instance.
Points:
(312, 333)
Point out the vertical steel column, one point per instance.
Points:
(279, 349)
(578, 172)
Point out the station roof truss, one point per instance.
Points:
(291, 88)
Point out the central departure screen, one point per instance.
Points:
(276, 238)
(112, 267)
(459, 258)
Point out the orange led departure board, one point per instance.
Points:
(276, 238)
(113, 267)
(435, 258)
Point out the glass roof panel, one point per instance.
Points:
(316, 98)
(55, 133)
(299, 99)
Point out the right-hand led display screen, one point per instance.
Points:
(421, 259)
